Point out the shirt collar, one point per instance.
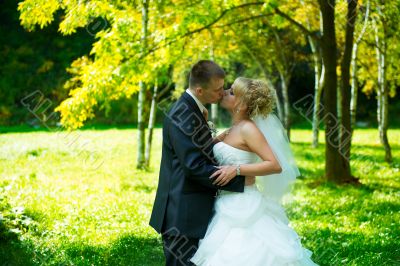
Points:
(199, 104)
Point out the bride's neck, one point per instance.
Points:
(236, 118)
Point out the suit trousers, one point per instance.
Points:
(178, 250)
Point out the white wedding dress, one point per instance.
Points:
(248, 228)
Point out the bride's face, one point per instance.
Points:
(229, 100)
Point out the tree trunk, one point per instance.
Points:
(385, 125)
(318, 87)
(152, 119)
(286, 105)
(339, 108)
(334, 169)
(354, 88)
(383, 91)
(354, 70)
(285, 71)
(214, 106)
(345, 133)
(214, 113)
(318, 84)
(141, 163)
(277, 100)
(279, 107)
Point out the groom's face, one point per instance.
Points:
(214, 92)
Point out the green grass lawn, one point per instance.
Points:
(77, 199)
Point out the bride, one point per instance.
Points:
(251, 228)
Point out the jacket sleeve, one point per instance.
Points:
(195, 163)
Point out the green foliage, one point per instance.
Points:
(13, 220)
(33, 61)
(40, 12)
(384, 19)
(89, 215)
(177, 36)
(118, 61)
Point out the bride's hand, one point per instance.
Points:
(224, 174)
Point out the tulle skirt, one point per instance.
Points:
(250, 229)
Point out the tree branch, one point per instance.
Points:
(204, 27)
(298, 25)
(242, 20)
(164, 91)
(364, 28)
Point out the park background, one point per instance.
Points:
(84, 87)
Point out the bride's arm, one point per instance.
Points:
(257, 143)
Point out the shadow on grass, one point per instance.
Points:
(33, 246)
(336, 248)
(127, 250)
(14, 252)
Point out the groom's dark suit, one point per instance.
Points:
(185, 196)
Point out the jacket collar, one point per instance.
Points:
(192, 103)
(199, 104)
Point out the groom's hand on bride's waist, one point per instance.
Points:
(223, 175)
(226, 173)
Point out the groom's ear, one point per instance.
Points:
(199, 91)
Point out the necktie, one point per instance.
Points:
(205, 114)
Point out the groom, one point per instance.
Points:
(185, 196)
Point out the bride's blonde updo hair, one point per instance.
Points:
(258, 96)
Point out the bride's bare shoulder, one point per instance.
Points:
(249, 128)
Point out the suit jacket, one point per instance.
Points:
(185, 194)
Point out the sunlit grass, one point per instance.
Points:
(91, 206)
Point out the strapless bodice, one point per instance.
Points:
(226, 154)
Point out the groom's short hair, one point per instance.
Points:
(203, 72)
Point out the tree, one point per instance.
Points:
(269, 49)
(318, 70)
(130, 50)
(384, 21)
(333, 166)
(164, 78)
(141, 162)
(378, 69)
(337, 152)
(354, 68)
(345, 88)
